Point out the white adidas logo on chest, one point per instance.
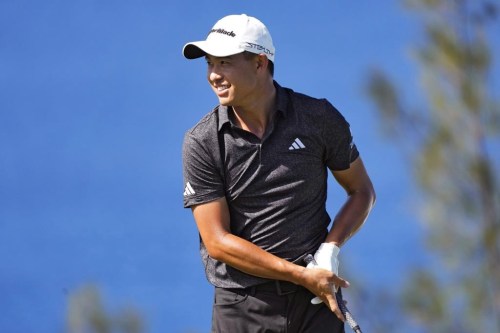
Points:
(297, 144)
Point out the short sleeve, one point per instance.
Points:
(202, 176)
(340, 148)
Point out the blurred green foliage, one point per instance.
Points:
(452, 137)
(87, 314)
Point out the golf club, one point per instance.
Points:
(343, 308)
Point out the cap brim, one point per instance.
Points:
(199, 49)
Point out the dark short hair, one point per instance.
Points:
(250, 55)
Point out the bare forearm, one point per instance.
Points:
(253, 260)
(351, 216)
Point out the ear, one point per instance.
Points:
(262, 62)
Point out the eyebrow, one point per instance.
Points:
(222, 58)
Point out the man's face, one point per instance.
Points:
(233, 79)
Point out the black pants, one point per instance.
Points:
(275, 307)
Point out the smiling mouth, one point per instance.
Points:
(222, 88)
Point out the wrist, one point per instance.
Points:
(329, 249)
(327, 257)
(297, 276)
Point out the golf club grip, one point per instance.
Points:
(345, 311)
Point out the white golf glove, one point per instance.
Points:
(326, 258)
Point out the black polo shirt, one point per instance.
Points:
(275, 187)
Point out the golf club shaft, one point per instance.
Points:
(347, 314)
(338, 295)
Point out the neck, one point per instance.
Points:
(256, 117)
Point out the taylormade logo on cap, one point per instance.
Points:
(222, 31)
(233, 34)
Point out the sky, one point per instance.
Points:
(95, 97)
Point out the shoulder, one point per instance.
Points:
(206, 125)
(316, 108)
(303, 98)
(203, 136)
(205, 131)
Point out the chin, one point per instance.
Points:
(224, 101)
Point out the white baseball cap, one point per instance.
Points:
(233, 34)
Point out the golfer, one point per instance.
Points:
(255, 173)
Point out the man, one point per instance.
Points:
(255, 171)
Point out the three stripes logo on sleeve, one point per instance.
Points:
(188, 190)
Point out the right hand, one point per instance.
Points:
(321, 283)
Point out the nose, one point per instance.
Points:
(214, 74)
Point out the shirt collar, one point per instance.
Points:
(281, 106)
(282, 99)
